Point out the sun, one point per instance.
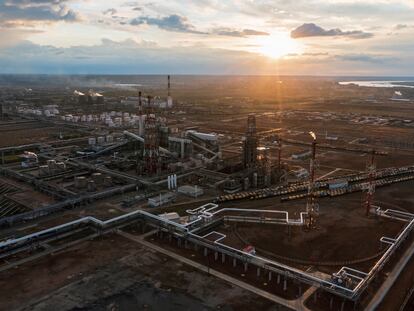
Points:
(277, 45)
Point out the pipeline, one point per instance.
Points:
(203, 217)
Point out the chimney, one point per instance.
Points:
(140, 101)
(169, 86)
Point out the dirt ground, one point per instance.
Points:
(112, 273)
(250, 276)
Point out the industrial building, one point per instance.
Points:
(162, 180)
(192, 191)
(162, 199)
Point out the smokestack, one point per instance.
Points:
(140, 101)
(169, 86)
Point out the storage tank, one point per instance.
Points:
(61, 166)
(80, 182)
(51, 164)
(101, 140)
(92, 141)
(91, 185)
(108, 181)
(109, 138)
(44, 170)
(97, 178)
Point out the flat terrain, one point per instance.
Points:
(111, 273)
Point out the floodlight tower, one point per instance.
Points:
(311, 205)
(370, 190)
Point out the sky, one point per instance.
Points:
(300, 37)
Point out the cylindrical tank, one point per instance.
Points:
(101, 140)
(44, 170)
(246, 183)
(97, 178)
(51, 164)
(92, 141)
(61, 166)
(80, 182)
(91, 186)
(109, 138)
(108, 181)
(255, 180)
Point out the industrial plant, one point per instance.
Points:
(182, 187)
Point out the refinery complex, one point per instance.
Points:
(205, 192)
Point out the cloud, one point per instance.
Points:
(12, 36)
(37, 10)
(111, 11)
(238, 33)
(132, 57)
(366, 58)
(172, 22)
(313, 30)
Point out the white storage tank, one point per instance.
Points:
(101, 140)
(92, 141)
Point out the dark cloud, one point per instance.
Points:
(36, 10)
(238, 33)
(172, 22)
(313, 30)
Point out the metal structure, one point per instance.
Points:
(250, 143)
(311, 204)
(279, 154)
(205, 218)
(169, 86)
(151, 144)
(370, 190)
(140, 103)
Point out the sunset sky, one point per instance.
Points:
(312, 37)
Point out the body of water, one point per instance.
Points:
(408, 84)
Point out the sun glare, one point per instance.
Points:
(276, 46)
